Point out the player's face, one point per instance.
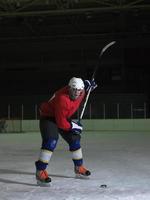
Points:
(75, 93)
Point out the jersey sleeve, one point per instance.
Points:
(61, 113)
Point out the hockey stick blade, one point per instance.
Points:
(106, 47)
(100, 55)
(93, 76)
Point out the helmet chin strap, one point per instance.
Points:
(72, 95)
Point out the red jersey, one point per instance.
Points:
(61, 107)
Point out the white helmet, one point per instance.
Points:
(76, 83)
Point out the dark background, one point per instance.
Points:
(44, 43)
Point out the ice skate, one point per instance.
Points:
(81, 172)
(42, 178)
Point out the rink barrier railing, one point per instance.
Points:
(94, 110)
(23, 126)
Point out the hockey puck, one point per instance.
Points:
(103, 186)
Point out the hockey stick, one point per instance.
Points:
(93, 76)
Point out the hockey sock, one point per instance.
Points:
(77, 157)
(46, 152)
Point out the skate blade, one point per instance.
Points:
(80, 176)
(42, 184)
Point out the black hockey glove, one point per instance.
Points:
(90, 84)
(76, 127)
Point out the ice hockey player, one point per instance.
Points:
(55, 119)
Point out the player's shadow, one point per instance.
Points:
(8, 171)
(17, 172)
(15, 182)
(11, 171)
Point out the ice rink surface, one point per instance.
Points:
(121, 160)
